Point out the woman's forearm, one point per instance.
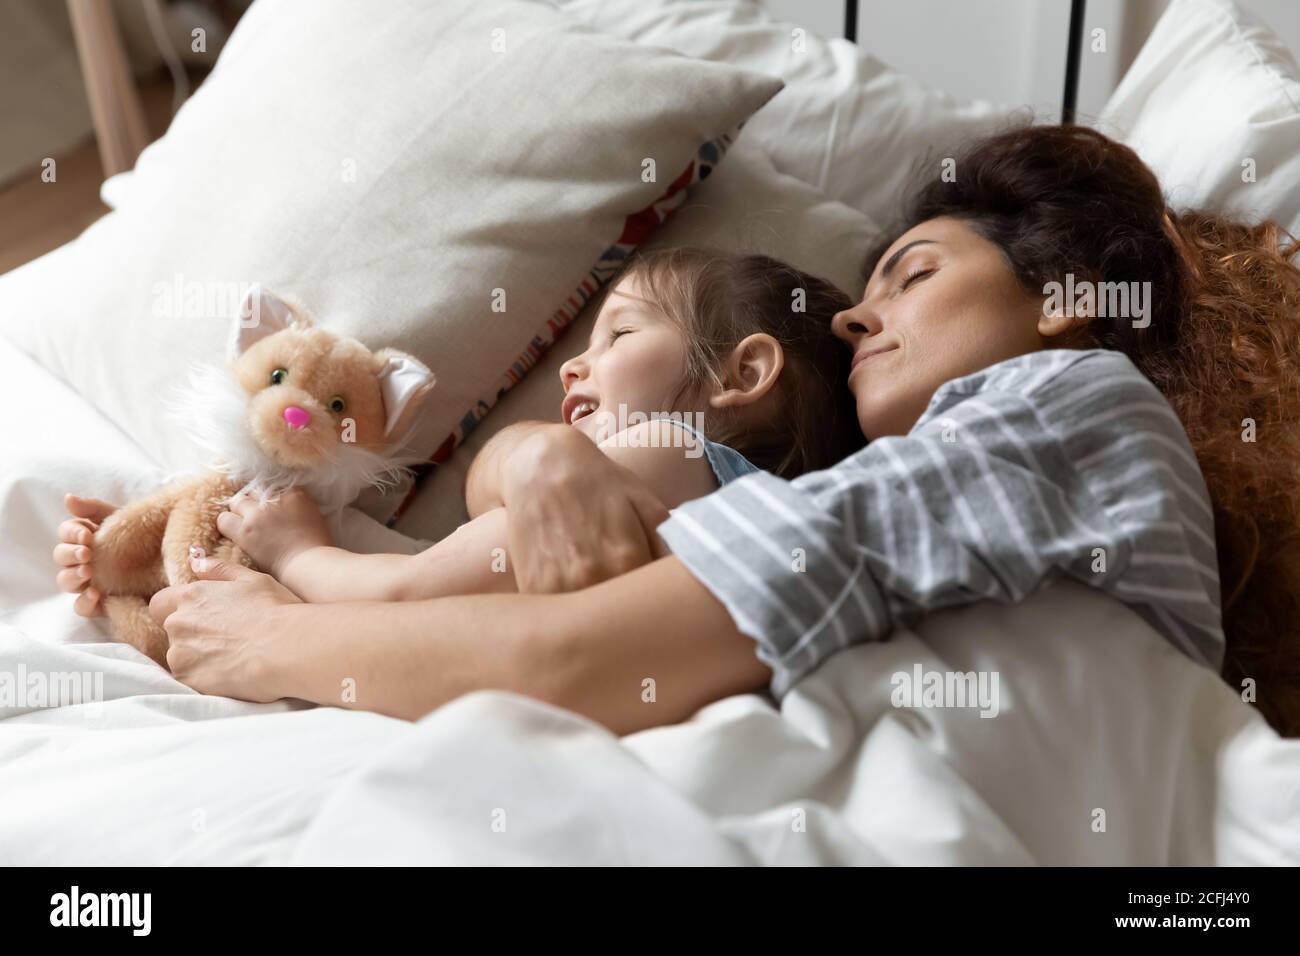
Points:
(648, 648)
(405, 659)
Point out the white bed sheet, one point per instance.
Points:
(1096, 713)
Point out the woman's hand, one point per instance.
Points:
(274, 533)
(222, 629)
(574, 517)
(75, 551)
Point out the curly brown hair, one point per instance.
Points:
(1222, 345)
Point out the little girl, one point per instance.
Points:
(702, 367)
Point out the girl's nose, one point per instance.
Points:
(571, 371)
(296, 417)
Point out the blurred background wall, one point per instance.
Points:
(1009, 51)
(43, 105)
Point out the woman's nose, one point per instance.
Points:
(851, 324)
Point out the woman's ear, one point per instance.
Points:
(751, 370)
(1065, 309)
(1065, 330)
(1057, 323)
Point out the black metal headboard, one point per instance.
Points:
(1073, 51)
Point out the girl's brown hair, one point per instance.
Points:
(1222, 345)
(719, 298)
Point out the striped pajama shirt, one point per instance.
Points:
(1057, 463)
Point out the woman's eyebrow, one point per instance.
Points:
(893, 260)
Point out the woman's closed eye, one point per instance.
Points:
(915, 276)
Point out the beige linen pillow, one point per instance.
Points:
(453, 179)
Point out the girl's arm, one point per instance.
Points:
(576, 516)
(668, 461)
(289, 539)
(471, 560)
(324, 573)
(486, 481)
(475, 558)
(642, 650)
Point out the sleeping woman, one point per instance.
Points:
(1012, 438)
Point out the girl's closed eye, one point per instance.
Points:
(617, 333)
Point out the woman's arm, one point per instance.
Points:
(1056, 463)
(642, 650)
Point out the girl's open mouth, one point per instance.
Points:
(576, 407)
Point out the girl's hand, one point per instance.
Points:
(574, 517)
(75, 551)
(274, 533)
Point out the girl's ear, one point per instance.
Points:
(751, 370)
(404, 381)
(262, 313)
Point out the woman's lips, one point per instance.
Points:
(868, 354)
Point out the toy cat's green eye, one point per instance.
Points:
(279, 375)
(337, 405)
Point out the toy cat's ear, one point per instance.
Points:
(404, 381)
(262, 313)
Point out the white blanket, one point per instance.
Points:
(1108, 747)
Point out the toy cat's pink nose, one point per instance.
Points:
(297, 417)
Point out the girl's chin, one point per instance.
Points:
(586, 425)
(598, 425)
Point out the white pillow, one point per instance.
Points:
(1212, 99)
(845, 122)
(400, 167)
(745, 206)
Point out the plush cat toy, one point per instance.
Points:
(297, 407)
